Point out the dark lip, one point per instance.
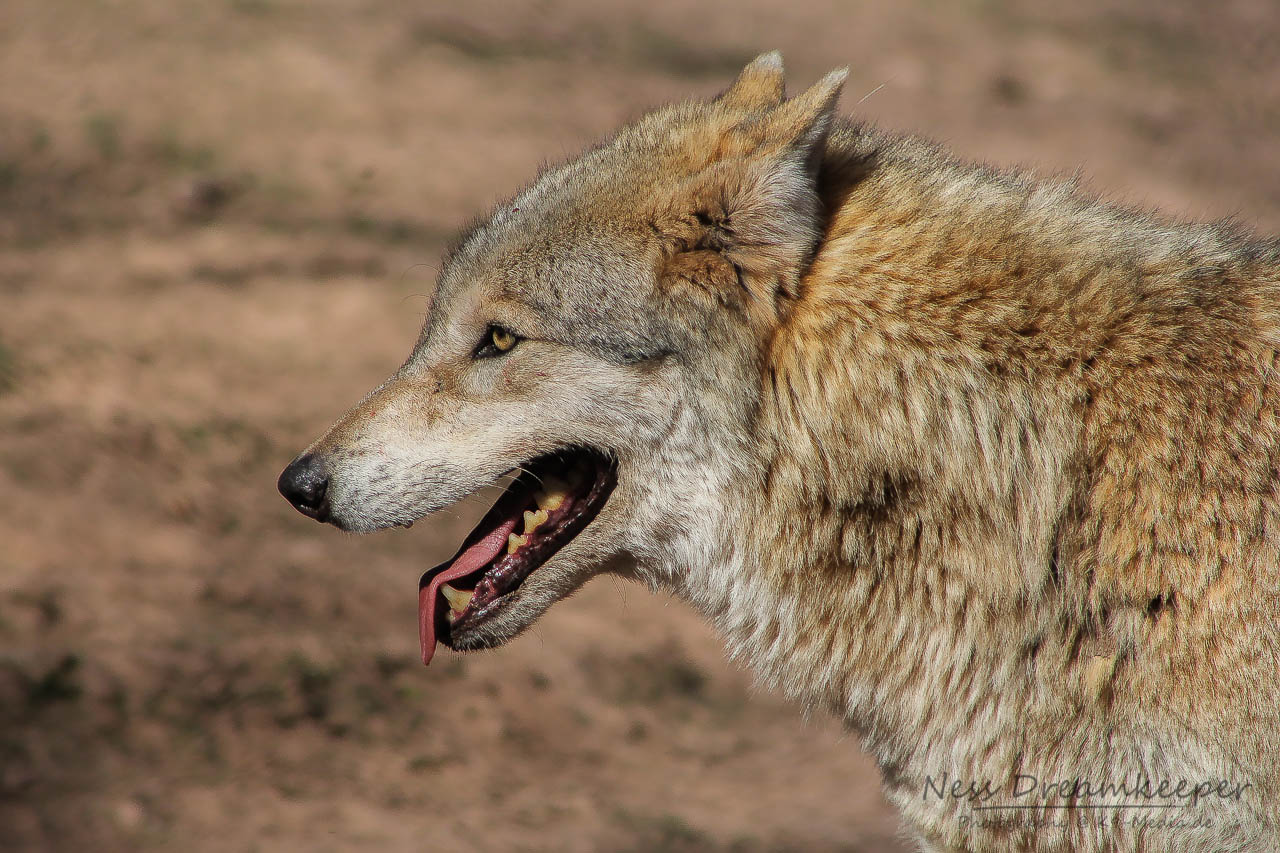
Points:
(605, 469)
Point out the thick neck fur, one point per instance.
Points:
(938, 552)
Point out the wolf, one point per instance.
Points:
(985, 466)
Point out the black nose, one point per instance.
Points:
(304, 484)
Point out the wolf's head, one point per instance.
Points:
(602, 335)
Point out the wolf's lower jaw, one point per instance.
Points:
(555, 496)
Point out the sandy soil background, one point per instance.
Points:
(219, 222)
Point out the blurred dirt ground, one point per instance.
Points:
(219, 222)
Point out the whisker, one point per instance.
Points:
(524, 470)
(876, 89)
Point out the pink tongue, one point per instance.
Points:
(465, 563)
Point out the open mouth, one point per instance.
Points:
(550, 502)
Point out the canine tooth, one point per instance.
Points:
(458, 599)
(533, 519)
(514, 542)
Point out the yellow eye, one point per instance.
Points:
(502, 339)
(497, 341)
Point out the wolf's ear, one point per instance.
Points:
(771, 217)
(745, 226)
(800, 126)
(759, 86)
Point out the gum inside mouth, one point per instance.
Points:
(550, 502)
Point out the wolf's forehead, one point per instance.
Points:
(588, 284)
(549, 253)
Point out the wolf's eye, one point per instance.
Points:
(496, 341)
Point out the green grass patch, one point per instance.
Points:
(8, 175)
(40, 141)
(394, 230)
(181, 155)
(668, 832)
(8, 369)
(102, 132)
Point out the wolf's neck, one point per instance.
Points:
(911, 496)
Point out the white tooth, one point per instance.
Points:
(458, 599)
(549, 500)
(533, 519)
(514, 543)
